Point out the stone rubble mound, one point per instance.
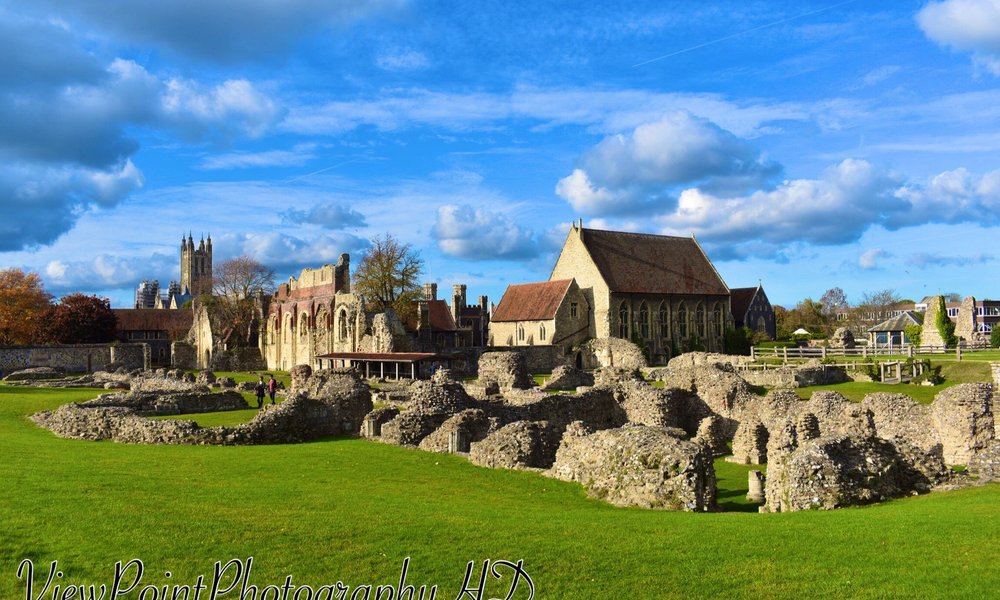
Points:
(638, 465)
(504, 369)
(568, 378)
(518, 445)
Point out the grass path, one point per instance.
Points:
(352, 510)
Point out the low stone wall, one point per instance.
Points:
(238, 359)
(506, 369)
(538, 359)
(130, 356)
(77, 358)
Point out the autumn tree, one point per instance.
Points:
(388, 276)
(238, 283)
(807, 314)
(23, 304)
(79, 319)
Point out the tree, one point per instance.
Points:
(807, 314)
(80, 319)
(238, 283)
(388, 276)
(833, 299)
(880, 301)
(242, 278)
(945, 326)
(23, 304)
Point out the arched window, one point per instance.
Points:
(644, 321)
(342, 325)
(699, 319)
(303, 324)
(717, 319)
(541, 332)
(761, 325)
(623, 321)
(663, 320)
(682, 321)
(520, 333)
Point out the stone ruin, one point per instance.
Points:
(623, 439)
(842, 338)
(611, 352)
(330, 403)
(505, 370)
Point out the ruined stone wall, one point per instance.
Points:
(611, 352)
(929, 335)
(130, 356)
(183, 355)
(78, 358)
(538, 359)
(965, 324)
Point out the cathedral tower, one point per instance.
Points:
(196, 266)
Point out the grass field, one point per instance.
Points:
(352, 510)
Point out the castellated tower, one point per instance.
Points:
(196, 266)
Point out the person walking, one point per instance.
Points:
(260, 389)
(272, 387)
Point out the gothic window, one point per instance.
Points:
(520, 333)
(303, 325)
(664, 321)
(342, 329)
(644, 321)
(541, 333)
(761, 325)
(623, 321)
(717, 319)
(699, 320)
(572, 309)
(682, 321)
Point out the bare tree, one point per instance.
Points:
(238, 282)
(833, 299)
(242, 278)
(388, 275)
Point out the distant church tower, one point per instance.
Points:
(196, 266)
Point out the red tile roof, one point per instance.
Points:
(531, 301)
(640, 263)
(441, 318)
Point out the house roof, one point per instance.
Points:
(900, 322)
(642, 263)
(175, 322)
(531, 301)
(740, 299)
(440, 315)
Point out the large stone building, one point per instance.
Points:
(311, 315)
(659, 291)
(196, 278)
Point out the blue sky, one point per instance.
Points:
(808, 145)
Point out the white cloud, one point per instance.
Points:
(107, 271)
(471, 233)
(326, 215)
(288, 253)
(966, 25)
(869, 259)
(626, 172)
(234, 107)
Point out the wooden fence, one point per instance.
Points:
(862, 351)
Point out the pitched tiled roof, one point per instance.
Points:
(641, 263)
(176, 322)
(740, 300)
(440, 315)
(900, 322)
(531, 301)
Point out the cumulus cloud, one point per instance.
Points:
(106, 271)
(41, 203)
(869, 260)
(966, 26)
(328, 216)
(838, 208)
(479, 234)
(220, 30)
(65, 120)
(287, 253)
(638, 171)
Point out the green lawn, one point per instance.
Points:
(352, 510)
(953, 372)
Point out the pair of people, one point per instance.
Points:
(270, 387)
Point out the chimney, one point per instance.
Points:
(430, 291)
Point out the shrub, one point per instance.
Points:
(945, 326)
(995, 338)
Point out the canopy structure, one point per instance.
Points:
(800, 331)
(394, 365)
